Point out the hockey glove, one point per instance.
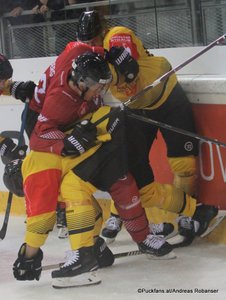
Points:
(81, 139)
(116, 119)
(27, 268)
(11, 151)
(123, 62)
(23, 90)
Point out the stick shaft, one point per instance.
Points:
(117, 255)
(176, 129)
(177, 68)
(6, 218)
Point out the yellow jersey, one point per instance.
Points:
(151, 68)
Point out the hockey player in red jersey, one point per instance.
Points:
(134, 68)
(74, 164)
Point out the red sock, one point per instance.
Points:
(126, 197)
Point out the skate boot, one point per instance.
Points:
(78, 270)
(156, 247)
(204, 214)
(189, 227)
(103, 254)
(164, 229)
(112, 227)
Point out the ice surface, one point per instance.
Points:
(201, 266)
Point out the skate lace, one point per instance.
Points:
(156, 228)
(113, 223)
(154, 241)
(71, 257)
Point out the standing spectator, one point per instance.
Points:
(64, 32)
(29, 39)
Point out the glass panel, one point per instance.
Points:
(159, 24)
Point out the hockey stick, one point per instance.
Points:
(117, 255)
(168, 74)
(10, 196)
(177, 68)
(159, 124)
(176, 129)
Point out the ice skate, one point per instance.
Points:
(156, 247)
(189, 228)
(112, 227)
(78, 270)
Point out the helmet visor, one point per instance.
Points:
(97, 87)
(90, 82)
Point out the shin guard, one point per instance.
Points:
(125, 194)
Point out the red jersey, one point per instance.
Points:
(57, 103)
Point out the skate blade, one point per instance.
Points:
(170, 255)
(85, 279)
(214, 223)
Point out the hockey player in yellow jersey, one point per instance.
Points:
(134, 68)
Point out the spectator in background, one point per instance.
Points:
(64, 32)
(1, 8)
(29, 40)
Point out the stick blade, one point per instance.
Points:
(6, 218)
(3, 231)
